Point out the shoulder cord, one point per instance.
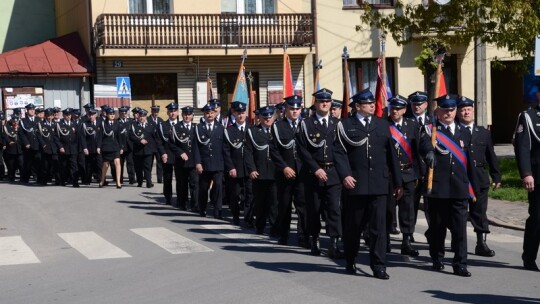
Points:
(10, 135)
(86, 130)
(162, 135)
(25, 129)
(60, 132)
(322, 143)
(205, 143)
(236, 146)
(531, 129)
(134, 133)
(259, 148)
(41, 131)
(288, 146)
(111, 133)
(342, 134)
(175, 137)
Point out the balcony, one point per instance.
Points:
(203, 31)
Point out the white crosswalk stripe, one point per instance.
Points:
(170, 241)
(14, 251)
(93, 246)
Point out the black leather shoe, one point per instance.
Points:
(149, 185)
(333, 250)
(350, 269)
(381, 274)
(437, 265)
(249, 224)
(394, 230)
(202, 213)
(236, 221)
(409, 250)
(315, 247)
(283, 241)
(483, 250)
(139, 185)
(303, 241)
(530, 265)
(461, 271)
(259, 231)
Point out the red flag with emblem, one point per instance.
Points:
(288, 89)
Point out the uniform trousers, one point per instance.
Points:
(359, 210)
(143, 168)
(2, 167)
(31, 162)
(168, 170)
(448, 214)
(291, 191)
(127, 158)
(477, 211)
(92, 166)
(265, 204)
(216, 194)
(531, 239)
(47, 167)
(13, 162)
(327, 198)
(405, 204)
(187, 185)
(159, 167)
(68, 168)
(235, 187)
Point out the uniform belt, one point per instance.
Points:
(405, 166)
(479, 165)
(326, 165)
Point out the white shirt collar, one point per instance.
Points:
(320, 118)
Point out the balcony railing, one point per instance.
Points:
(203, 31)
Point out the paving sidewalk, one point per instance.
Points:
(507, 214)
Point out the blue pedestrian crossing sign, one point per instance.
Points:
(123, 87)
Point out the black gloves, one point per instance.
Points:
(430, 159)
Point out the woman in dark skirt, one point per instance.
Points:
(110, 147)
(13, 147)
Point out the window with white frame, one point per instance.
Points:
(248, 6)
(150, 6)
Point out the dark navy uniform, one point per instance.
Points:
(425, 118)
(88, 133)
(315, 145)
(182, 140)
(235, 140)
(126, 157)
(290, 190)
(31, 155)
(144, 152)
(406, 138)
(259, 148)
(155, 121)
(481, 155)
(450, 193)
(68, 140)
(164, 132)
(49, 148)
(14, 149)
(365, 151)
(211, 156)
(527, 150)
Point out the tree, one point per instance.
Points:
(510, 24)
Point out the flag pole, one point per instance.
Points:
(383, 66)
(438, 59)
(208, 86)
(346, 89)
(318, 67)
(251, 107)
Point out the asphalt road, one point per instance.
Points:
(90, 245)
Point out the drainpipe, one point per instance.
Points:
(92, 50)
(315, 38)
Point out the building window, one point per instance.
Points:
(376, 3)
(363, 74)
(248, 6)
(150, 6)
(153, 87)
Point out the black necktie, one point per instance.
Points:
(398, 126)
(294, 125)
(242, 128)
(470, 129)
(449, 130)
(366, 124)
(324, 123)
(420, 121)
